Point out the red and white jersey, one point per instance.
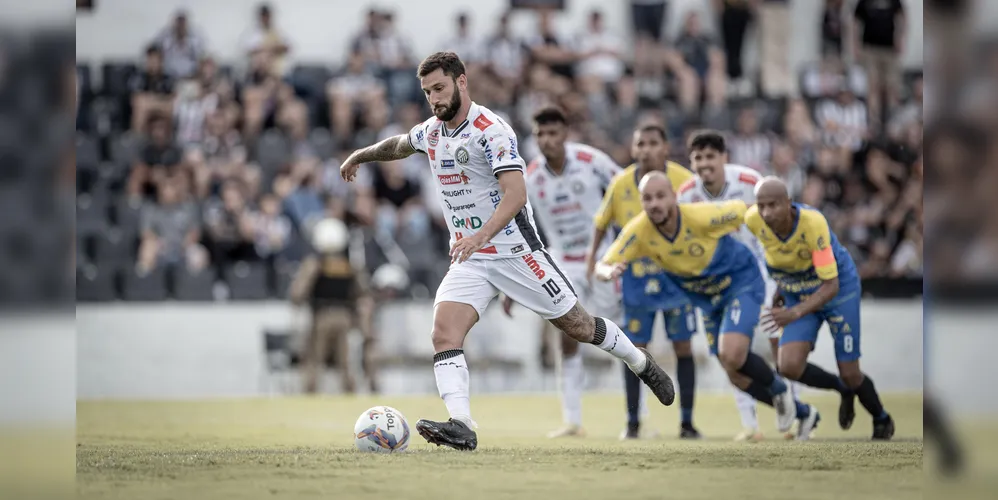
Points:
(466, 162)
(739, 184)
(566, 203)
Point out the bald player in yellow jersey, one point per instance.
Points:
(645, 288)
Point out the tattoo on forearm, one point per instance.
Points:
(392, 148)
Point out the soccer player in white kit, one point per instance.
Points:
(494, 245)
(565, 187)
(722, 182)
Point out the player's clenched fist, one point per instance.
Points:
(609, 272)
(463, 248)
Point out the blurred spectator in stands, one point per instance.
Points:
(704, 57)
(350, 97)
(843, 120)
(600, 56)
(182, 48)
(152, 90)
(878, 41)
(504, 54)
(259, 93)
(221, 87)
(271, 229)
(301, 190)
(909, 114)
(159, 159)
(190, 109)
(406, 117)
(365, 41)
(334, 290)
(827, 77)
(398, 201)
(222, 157)
(392, 50)
(228, 226)
(832, 28)
(775, 25)
(548, 47)
(799, 129)
(832, 171)
(907, 258)
(736, 15)
(266, 39)
(784, 167)
(463, 43)
(749, 145)
(171, 230)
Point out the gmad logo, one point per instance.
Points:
(469, 223)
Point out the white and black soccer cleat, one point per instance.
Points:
(452, 433)
(786, 410)
(657, 380)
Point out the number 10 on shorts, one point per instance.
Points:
(551, 288)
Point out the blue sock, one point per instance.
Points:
(778, 386)
(803, 410)
(686, 375)
(632, 388)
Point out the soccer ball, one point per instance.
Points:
(381, 429)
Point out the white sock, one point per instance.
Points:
(573, 379)
(454, 384)
(612, 340)
(746, 409)
(795, 388)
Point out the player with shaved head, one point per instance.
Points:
(817, 283)
(693, 244)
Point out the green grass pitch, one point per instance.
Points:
(289, 448)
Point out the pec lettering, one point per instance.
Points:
(534, 266)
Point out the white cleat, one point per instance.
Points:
(569, 430)
(786, 410)
(749, 436)
(805, 428)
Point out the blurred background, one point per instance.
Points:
(209, 137)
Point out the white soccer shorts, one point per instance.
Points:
(532, 280)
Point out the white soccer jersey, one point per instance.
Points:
(565, 204)
(465, 162)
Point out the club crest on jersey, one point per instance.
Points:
(462, 155)
(434, 138)
(696, 250)
(803, 254)
(446, 163)
(451, 179)
(578, 187)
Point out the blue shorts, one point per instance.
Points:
(842, 316)
(738, 314)
(680, 323)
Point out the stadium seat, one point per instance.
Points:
(310, 80)
(115, 78)
(148, 287)
(247, 281)
(115, 246)
(125, 149)
(193, 286)
(280, 359)
(273, 151)
(91, 213)
(322, 141)
(95, 284)
(128, 213)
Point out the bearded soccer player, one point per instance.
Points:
(645, 288)
(494, 244)
(717, 180)
(565, 186)
(692, 243)
(817, 283)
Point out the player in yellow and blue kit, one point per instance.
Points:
(645, 288)
(817, 283)
(692, 243)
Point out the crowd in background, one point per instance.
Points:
(232, 161)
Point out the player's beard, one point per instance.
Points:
(451, 109)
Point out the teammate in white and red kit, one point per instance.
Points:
(494, 245)
(566, 187)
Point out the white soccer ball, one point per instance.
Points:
(381, 429)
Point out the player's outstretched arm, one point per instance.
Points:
(392, 148)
